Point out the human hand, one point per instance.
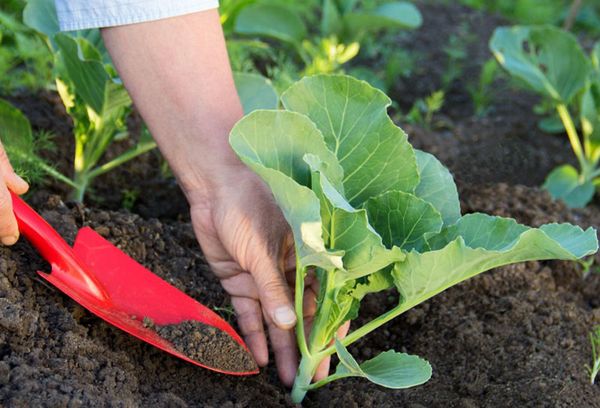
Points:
(9, 231)
(250, 248)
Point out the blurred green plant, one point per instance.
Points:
(524, 11)
(23, 146)
(456, 54)
(423, 109)
(129, 197)
(481, 92)
(551, 62)
(24, 60)
(341, 28)
(594, 369)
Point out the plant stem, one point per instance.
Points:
(369, 327)
(81, 183)
(595, 340)
(117, 161)
(51, 171)
(299, 306)
(318, 333)
(83, 178)
(327, 380)
(565, 116)
(573, 12)
(594, 174)
(305, 373)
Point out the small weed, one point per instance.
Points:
(595, 367)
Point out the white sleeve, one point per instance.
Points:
(82, 14)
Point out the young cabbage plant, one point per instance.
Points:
(23, 148)
(92, 95)
(551, 62)
(98, 104)
(369, 213)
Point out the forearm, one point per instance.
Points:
(178, 74)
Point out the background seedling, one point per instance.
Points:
(551, 62)
(595, 367)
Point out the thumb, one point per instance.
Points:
(274, 294)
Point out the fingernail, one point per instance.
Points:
(10, 240)
(284, 316)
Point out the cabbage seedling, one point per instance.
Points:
(551, 62)
(93, 96)
(368, 213)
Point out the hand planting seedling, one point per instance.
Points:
(551, 62)
(368, 213)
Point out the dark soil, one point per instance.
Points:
(513, 337)
(208, 345)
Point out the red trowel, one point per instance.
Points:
(114, 287)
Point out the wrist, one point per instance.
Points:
(205, 185)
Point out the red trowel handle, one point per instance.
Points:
(55, 250)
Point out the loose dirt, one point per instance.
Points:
(208, 345)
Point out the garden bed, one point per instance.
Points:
(516, 336)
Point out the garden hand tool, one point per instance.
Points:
(116, 288)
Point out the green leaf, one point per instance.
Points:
(399, 14)
(279, 140)
(15, 129)
(301, 209)
(551, 124)
(595, 56)
(116, 99)
(18, 141)
(331, 19)
(255, 91)
(548, 59)
(269, 20)
(437, 187)
(478, 243)
(403, 219)
(270, 143)
(590, 119)
(229, 11)
(347, 229)
(87, 75)
(389, 369)
(565, 183)
(375, 282)
(346, 6)
(41, 16)
(351, 115)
